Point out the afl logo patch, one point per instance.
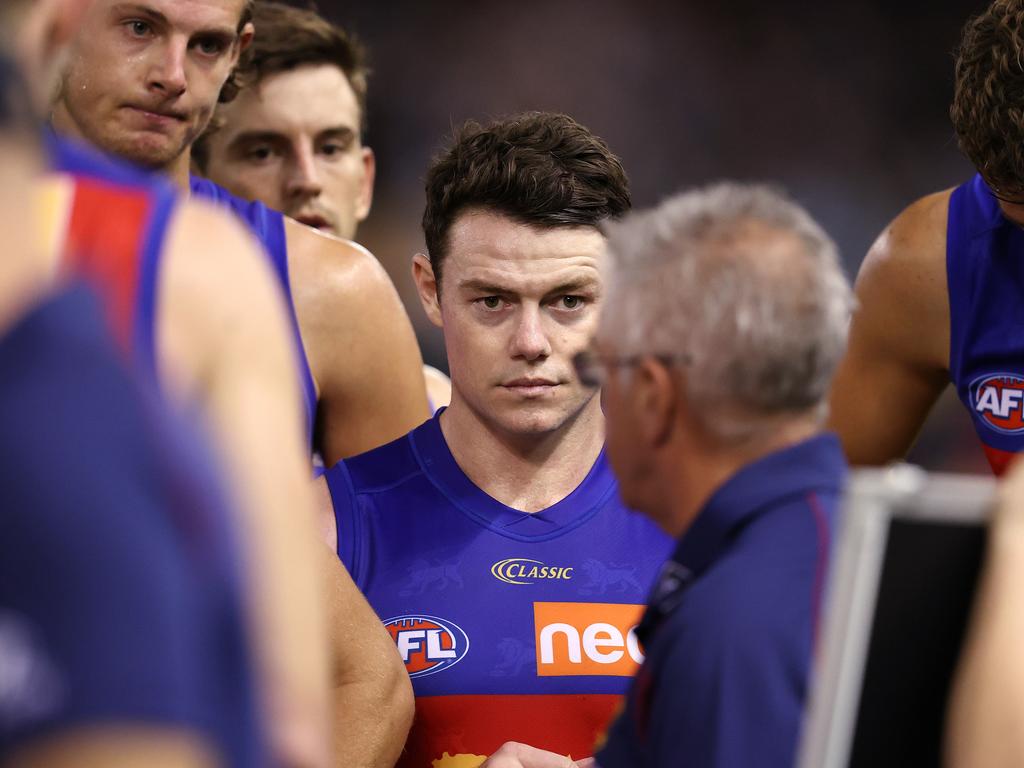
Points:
(998, 398)
(428, 644)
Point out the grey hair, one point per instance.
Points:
(741, 281)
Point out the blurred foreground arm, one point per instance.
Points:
(231, 321)
(985, 727)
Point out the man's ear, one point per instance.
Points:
(245, 38)
(366, 188)
(426, 286)
(657, 398)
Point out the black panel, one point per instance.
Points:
(928, 580)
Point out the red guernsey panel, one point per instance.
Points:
(461, 731)
(999, 460)
(104, 247)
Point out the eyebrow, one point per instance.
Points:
(482, 286)
(339, 130)
(248, 137)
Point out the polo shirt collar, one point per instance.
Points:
(807, 466)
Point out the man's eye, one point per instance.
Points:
(331, 149)
(138, 28)
(258, 154)
(571, 302)
(491, 302)
(210, 47)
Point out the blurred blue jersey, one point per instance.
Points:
(120, 599)
(143, 202)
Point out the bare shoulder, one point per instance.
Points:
(901, 287)
(326, 269)
(345, 300)
(359, 343)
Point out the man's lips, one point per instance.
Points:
(157, 116)
(530, 386)
(315, 221)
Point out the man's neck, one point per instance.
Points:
(1013, 211)
(699, 468)
(526, 472)
(179, 169)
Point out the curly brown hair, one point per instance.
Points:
(540, 168)
(988, 103)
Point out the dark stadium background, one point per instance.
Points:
(844, 104)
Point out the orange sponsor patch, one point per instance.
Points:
(587, 639)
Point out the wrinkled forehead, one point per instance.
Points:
(487, 249)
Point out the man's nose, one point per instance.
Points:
(530, 341)
(304, 176)
(168, 72)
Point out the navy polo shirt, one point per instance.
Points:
(730, 628)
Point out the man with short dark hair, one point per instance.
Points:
(142, 83)
(939, 292)
(294, 136)
(492, 539)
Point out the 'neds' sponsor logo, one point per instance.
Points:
(999, 399)
(587, 639)
(520, 570)
(428, 644)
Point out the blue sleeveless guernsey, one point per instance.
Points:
(985, 271)
(81, 161)
(118, 255)
(513, 626)
(120, 592)
(268, 227)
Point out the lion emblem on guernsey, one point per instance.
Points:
(514, 654)
(602, 577)
(424, 575)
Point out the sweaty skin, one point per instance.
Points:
(897, 361)
(359, 342)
